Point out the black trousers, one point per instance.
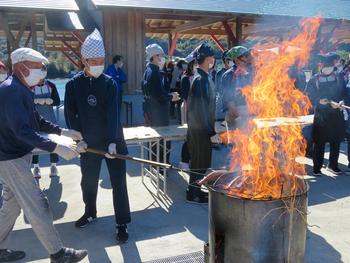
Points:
(90, 168)
(53, 158)
(318, 156)
(185, 154)
(200, 149)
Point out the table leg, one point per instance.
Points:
(165, 153)
(142, 165)
(158, 172)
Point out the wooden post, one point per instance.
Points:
(173, 44)
(238, 31)
(34, 35)
(170, 39)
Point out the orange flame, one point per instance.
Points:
(270, 153)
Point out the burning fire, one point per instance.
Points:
(270, 153)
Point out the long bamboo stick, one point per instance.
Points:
(130, 158)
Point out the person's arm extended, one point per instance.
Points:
(46, 126)
(19, 118)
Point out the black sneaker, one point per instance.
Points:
(84, 221)
(68, 255)
(201, 199)
(334, 170)
(122, 234)
(317, 173)
(7, 255)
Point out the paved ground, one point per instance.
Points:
(165, 228)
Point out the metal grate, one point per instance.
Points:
(196, 257)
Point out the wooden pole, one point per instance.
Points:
(238, 31)
(34, 35)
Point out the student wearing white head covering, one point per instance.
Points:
(91, 107)
(19, 135)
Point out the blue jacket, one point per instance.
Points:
(21, 123)
(117, 75)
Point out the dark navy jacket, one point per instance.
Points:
(157, 99)
(201, 105)
(90, 106)
(232, 86)
(20, 123)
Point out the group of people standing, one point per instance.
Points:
(92, 106)
(199, 95)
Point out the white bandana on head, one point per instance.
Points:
(93, 46)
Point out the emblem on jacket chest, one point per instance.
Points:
(92, 101)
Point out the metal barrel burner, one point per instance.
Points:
(256, 231)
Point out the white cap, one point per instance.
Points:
(93, 46)
(27, 54)
(153, 49)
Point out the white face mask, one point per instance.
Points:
(34, 77)
(162, 62)
(327, 70)
(96, 71)
(3, 76)
(230, 63)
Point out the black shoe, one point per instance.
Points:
(122, 234)
(7, 255)
(201, 199)
(317, 173)
(334, 170)
(68, 255)
(84, 221)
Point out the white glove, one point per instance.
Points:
(40, 101)
(81, 147)
(112, 150)
(75, 135)
(48, 101)
(216, 139)
(176, 96)
(324, 101)
(66, 152)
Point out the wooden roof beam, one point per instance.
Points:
(195, 24)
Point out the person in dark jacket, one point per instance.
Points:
(175, 107)
(185, 85)
(233, 80)
(116, 72)
(91, 107)
(19, 135)
(201, 122)
(328, 127)
(45, 98)
(156, 98)
(227, 64)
